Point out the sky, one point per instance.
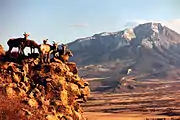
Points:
(67, 20)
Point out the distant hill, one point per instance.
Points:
(154, 45)
(150, 49)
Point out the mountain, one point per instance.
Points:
(152, 41)
(150, 50)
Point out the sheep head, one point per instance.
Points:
(64, 45)
(26, 34)
(69, 52)
(55, 45)
(45, 41)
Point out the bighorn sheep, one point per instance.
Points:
(45, 50)
(17, 42)
(62, 51)
(64, 58)
(54, 49)
(32, 44)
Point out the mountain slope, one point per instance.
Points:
(152, 41)
(150, 50)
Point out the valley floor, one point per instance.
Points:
(126, 116)
(157, 101)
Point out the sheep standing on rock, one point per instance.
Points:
(64, 53)
(17, 42)
(54, 49)
(45, 50)
(63, 50)
(32, 44)
(64, 58)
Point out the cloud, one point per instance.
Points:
(80, 25)
(172, 24)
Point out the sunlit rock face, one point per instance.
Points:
(33, 90)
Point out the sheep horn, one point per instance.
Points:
(64, 45)
(58, 42)
(25, 33)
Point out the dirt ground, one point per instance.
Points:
(159, 100)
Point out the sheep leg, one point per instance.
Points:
(45, 58)
(49, 53)
(31, 49)
(23, 52)
(21, 49)
(48, 58)
(42, 58)
(9, 51)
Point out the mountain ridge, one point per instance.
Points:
(117, 45)
(150, 50)
(116, 32)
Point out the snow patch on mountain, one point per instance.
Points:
(148, 35)
(173, 24)
(85, 39)
(154, 27)
(105, 34)
(129, 34)
(147, 43)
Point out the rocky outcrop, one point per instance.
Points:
(41, 91)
